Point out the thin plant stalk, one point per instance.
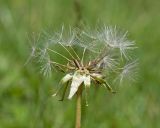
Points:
(78, 108)
(77, 6)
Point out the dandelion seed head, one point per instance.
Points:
(109, 63)
(101, 51)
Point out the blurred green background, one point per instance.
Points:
(25, 95)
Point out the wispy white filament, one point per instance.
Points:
(128, 72)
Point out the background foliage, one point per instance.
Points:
(25, 95)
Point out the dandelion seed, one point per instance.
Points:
(43, 53)
(128, 72)
(92, 34)
(31, 55)
(117, 39)
(70, 39)
(46, 68)
(33, 47)
(109, 63)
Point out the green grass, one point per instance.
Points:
(25, 95)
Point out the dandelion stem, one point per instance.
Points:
(77, 5)
(59, 54)
(78, 108)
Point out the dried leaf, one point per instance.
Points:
(66, 78)
(87, 80)
(77, 80)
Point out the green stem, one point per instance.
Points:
(78, 108)
(77, 6)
